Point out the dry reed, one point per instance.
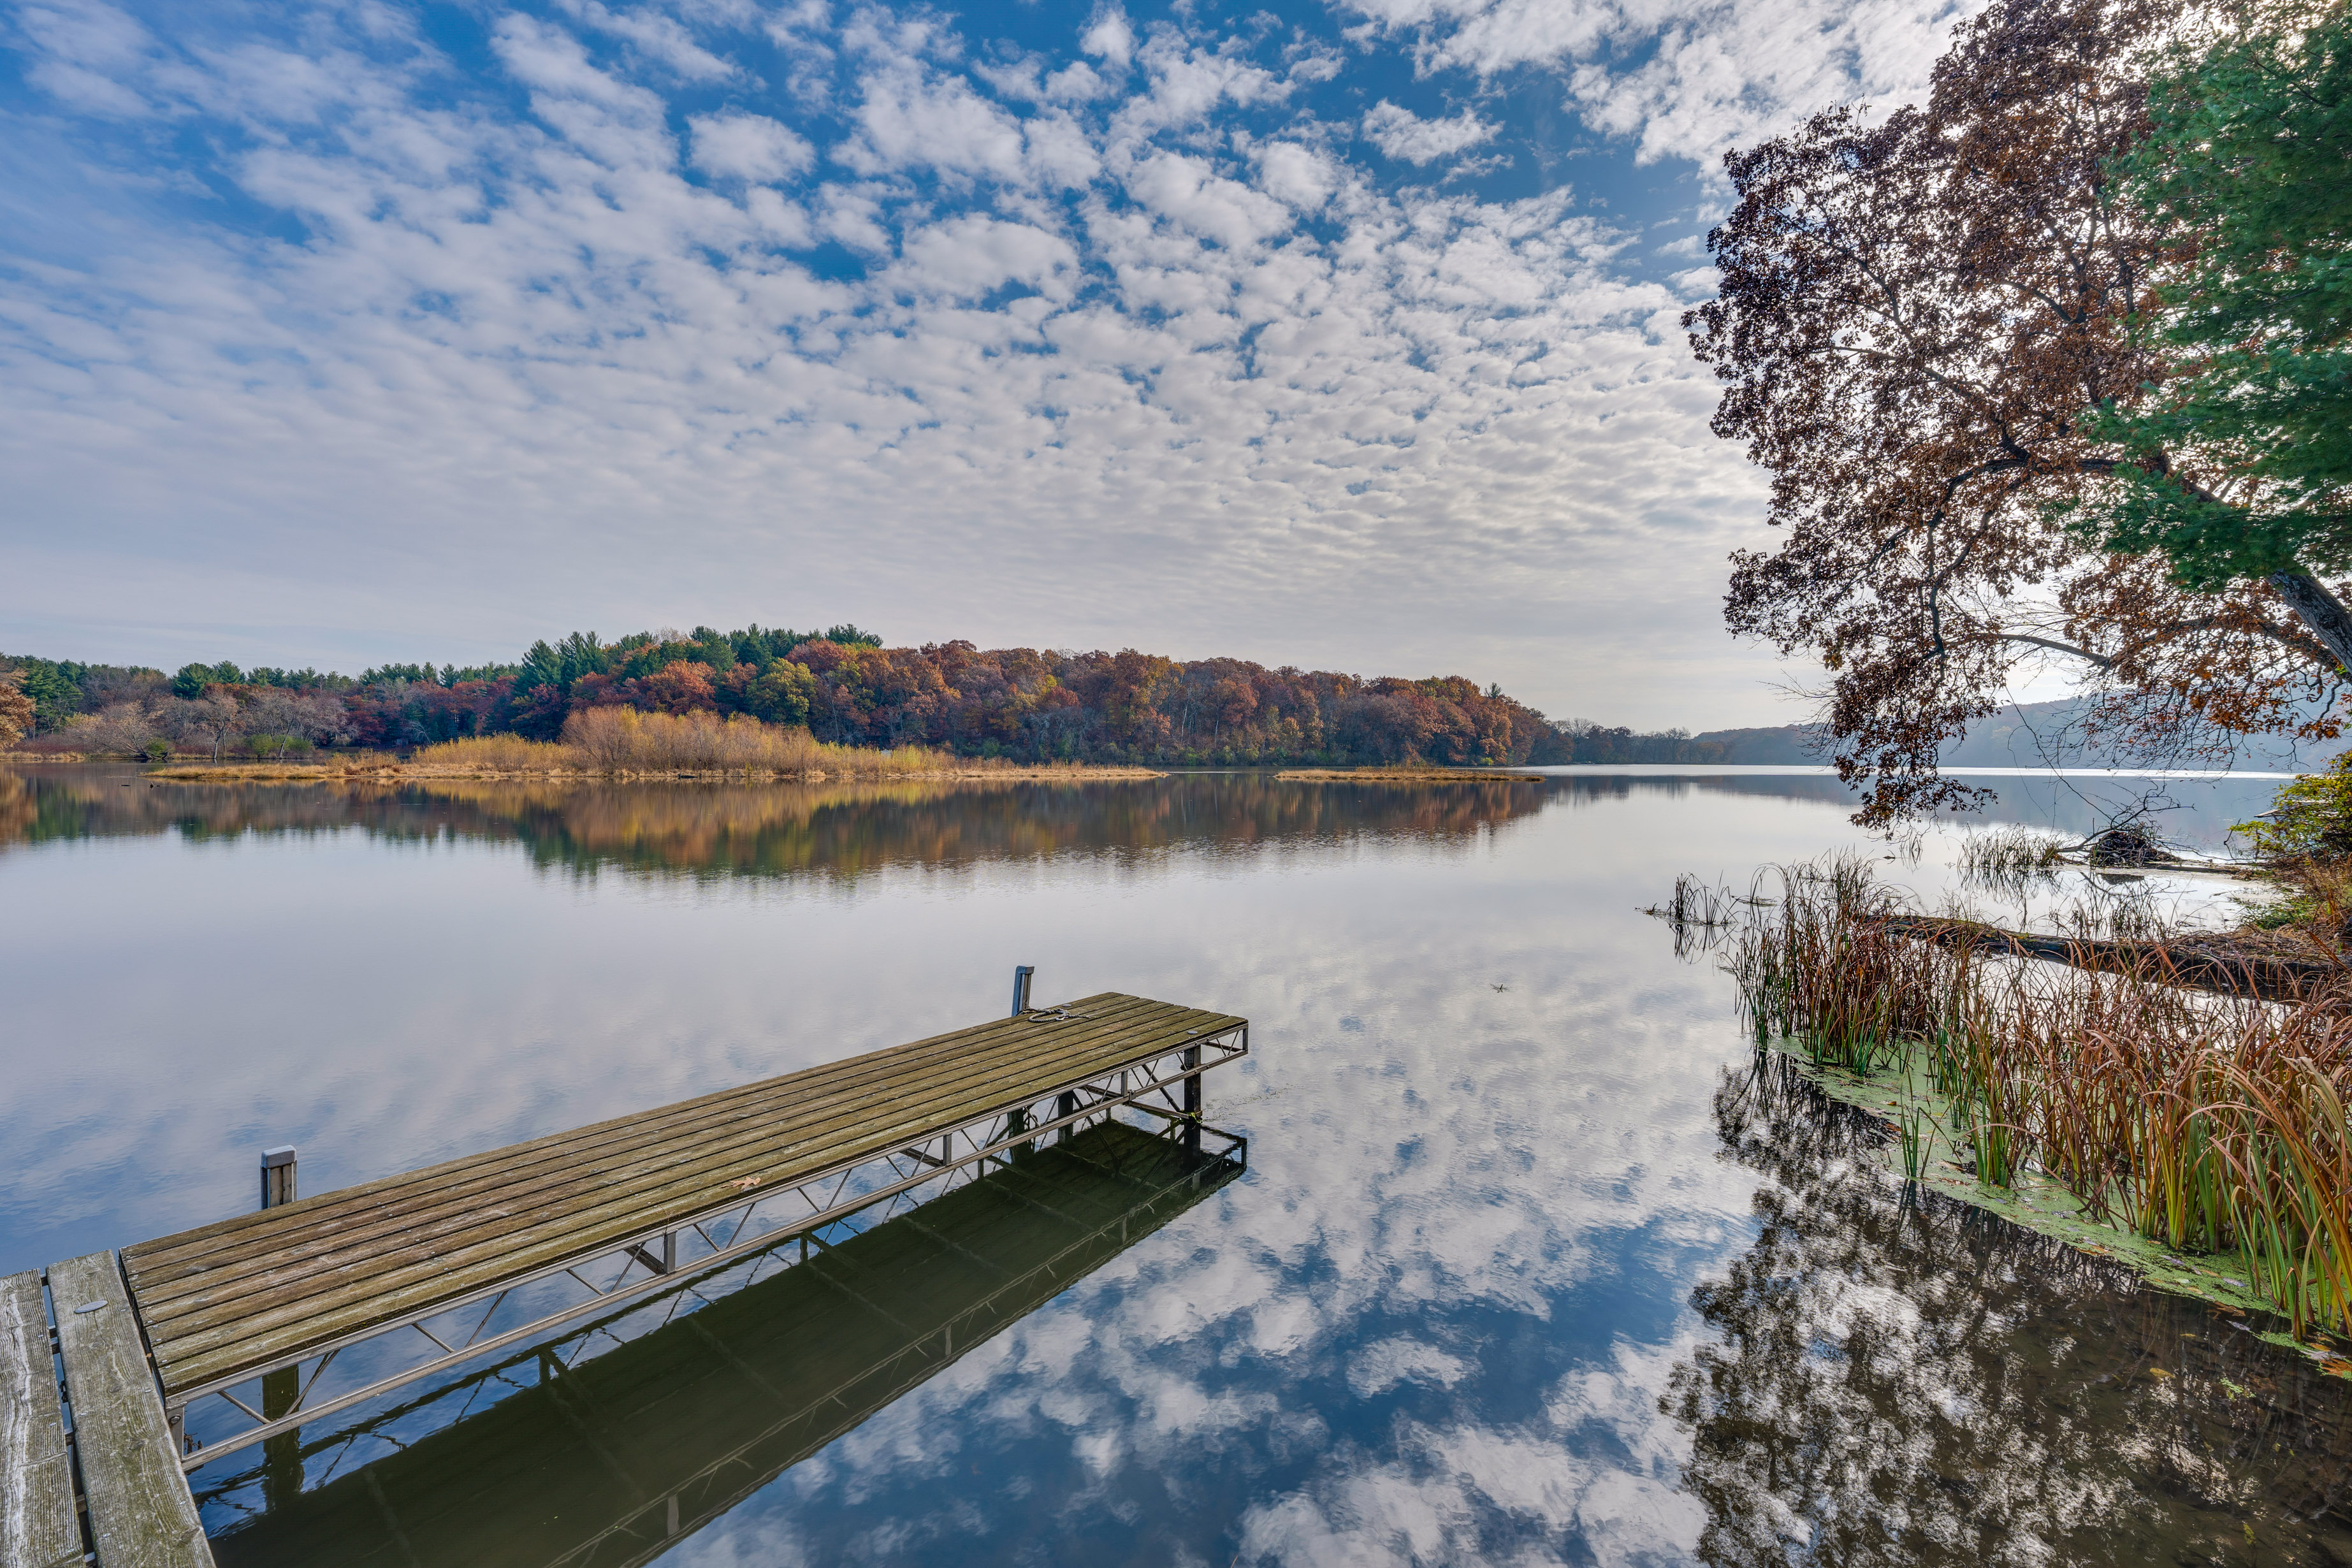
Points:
(2205, 1123)
(622, 740)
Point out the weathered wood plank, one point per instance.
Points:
(39, 1526)
(343, 1295)
(141, 1515)
(163, 1268)
(223, 1297)
(778, 1138)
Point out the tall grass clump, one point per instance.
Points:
(2212, 1124)
(2010, 854)
(622, 740)
(497, 753)
(625, 740)
(1816, 966)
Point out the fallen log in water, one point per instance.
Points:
(2203, 964)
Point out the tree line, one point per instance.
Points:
(844, 687)
(2056, 365)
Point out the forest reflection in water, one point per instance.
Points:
(787, 829)
(1918, 1382)
(850, 828)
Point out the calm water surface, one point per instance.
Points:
(1528, 1264)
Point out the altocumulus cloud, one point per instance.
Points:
(335, 332)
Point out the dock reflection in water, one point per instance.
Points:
(596, 1461)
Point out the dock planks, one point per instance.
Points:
(40, 1525)
(141, 1515)
(228, 1299)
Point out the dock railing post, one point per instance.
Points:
(278, 1176)
(1021, 988)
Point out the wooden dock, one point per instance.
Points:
(605, 1462)
(193, 1346)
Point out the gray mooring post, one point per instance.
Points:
(1021, 988)
(278, 1176)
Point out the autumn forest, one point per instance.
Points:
(845, 687)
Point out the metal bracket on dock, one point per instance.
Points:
(757, 1219)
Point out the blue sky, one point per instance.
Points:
(1339, 334)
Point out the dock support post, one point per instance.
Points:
(278, 1176)
(281, 1456)
(1192, 1100)
(1021, 988)
(1066, 1105)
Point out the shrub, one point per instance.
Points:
(2311, 819)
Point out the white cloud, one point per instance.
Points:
(1299, 175)
(970, 256)
(1712, 72)
(748, 147)
(1401, 134)
(654, 35)
(1381, 1366)
(1189, 192)
(1110, 38)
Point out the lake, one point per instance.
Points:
(1529, 1262)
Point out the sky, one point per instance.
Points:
(1341, 334)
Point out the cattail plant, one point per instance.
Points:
(2211, 1124)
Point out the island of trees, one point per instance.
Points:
(845, 689)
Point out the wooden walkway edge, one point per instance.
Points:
(140, 1514)
(41, 1523)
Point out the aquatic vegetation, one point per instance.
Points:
(2206, 1124)
(2010, 854)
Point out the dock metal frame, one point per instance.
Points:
(1166, 1085)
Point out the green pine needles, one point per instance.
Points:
(2247, 172)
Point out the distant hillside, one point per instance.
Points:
(1783, 744)
(2021, 736)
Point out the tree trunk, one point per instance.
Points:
(2318, 609)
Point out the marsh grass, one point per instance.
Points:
(2206, 1124)
(2010, 856)
(623, 741)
